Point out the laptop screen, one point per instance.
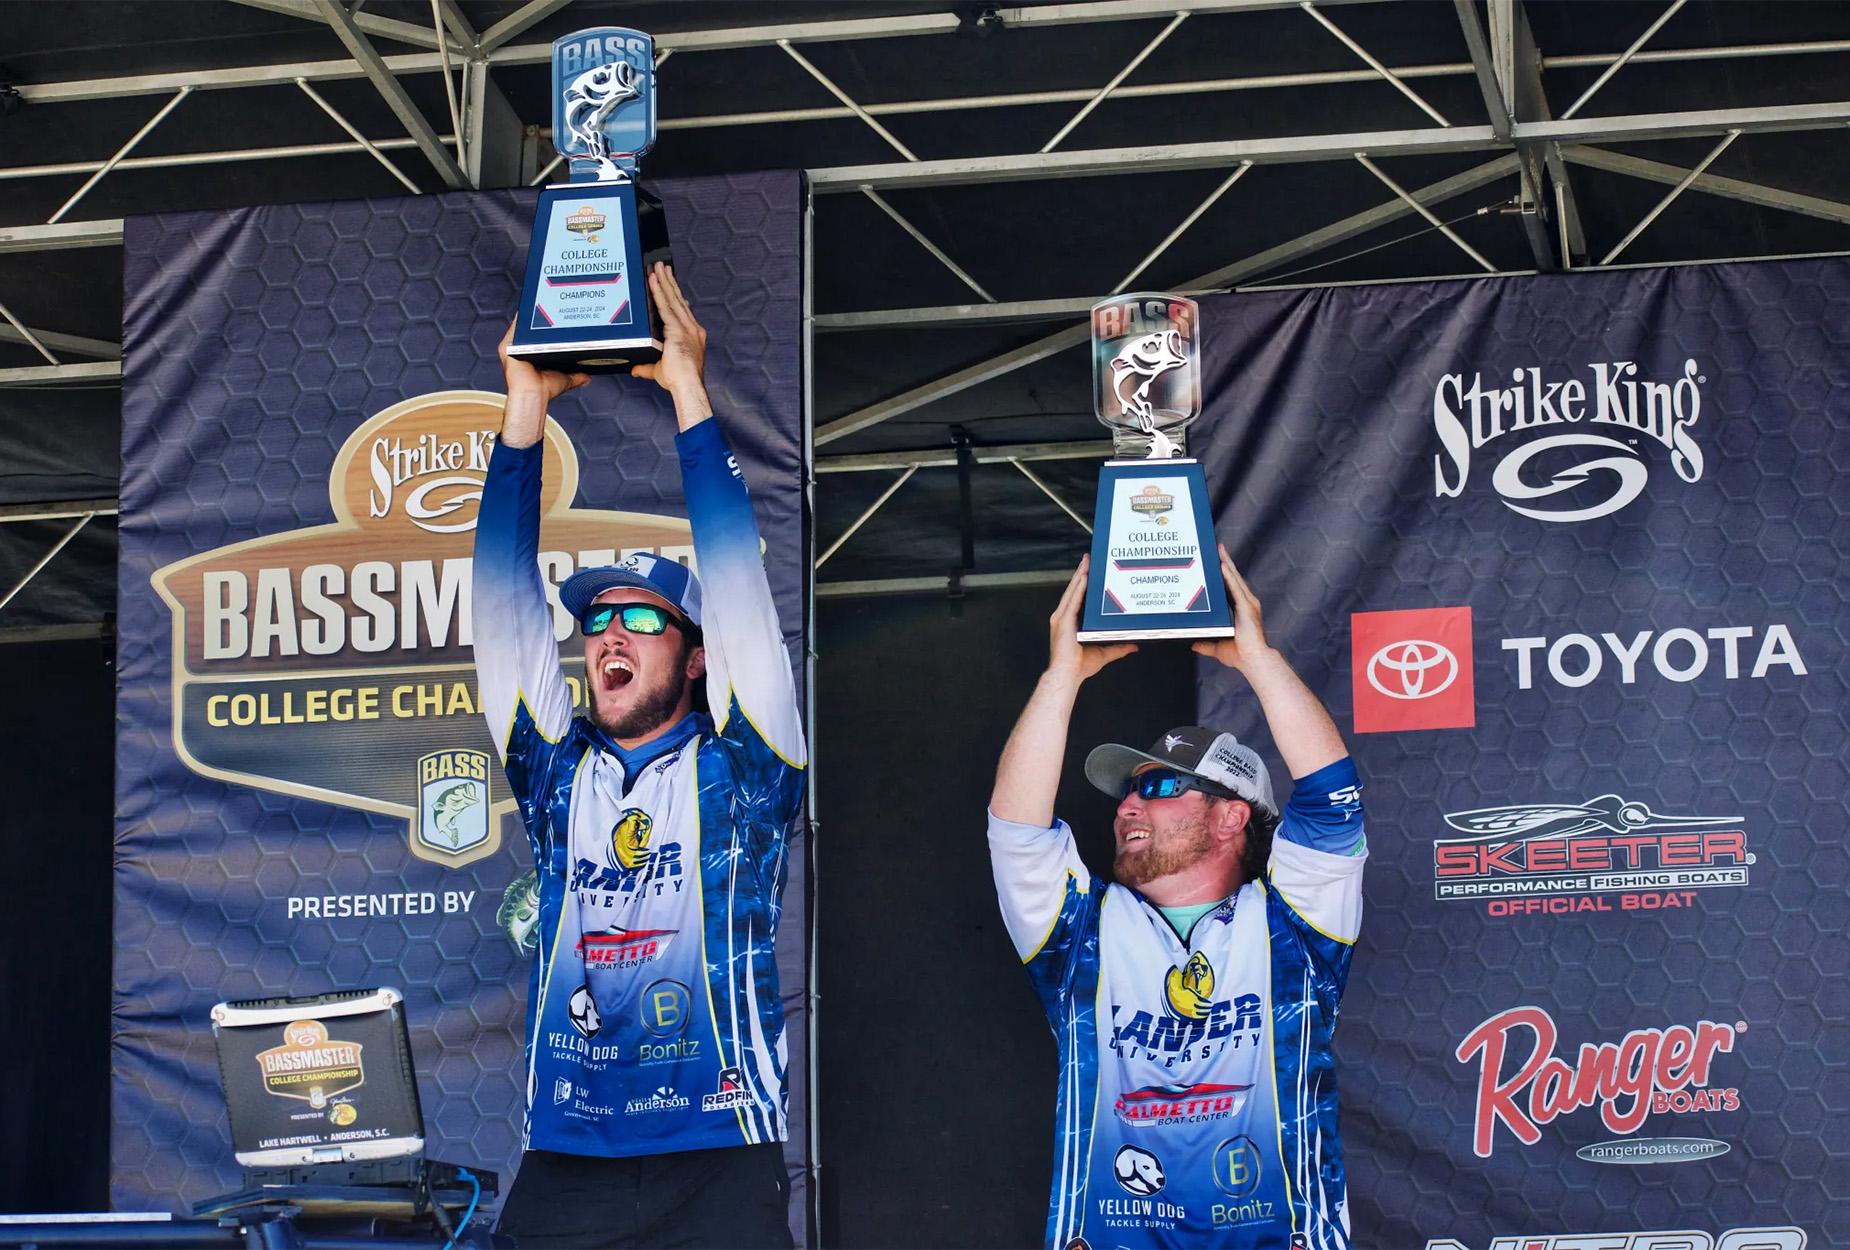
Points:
(324, 1079)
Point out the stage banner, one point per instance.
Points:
(307, 796)
(1568, 558)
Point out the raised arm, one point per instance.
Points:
(523, 693)
(1028, 776)
(1301, 727)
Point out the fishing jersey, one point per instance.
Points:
(1197, 1102)
(653, 1017)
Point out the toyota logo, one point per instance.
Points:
(1412, 668)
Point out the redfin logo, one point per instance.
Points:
(1649, 1066)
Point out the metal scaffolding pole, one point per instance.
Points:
(121, 152)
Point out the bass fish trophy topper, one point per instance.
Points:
(584, 307)
(1155, 572)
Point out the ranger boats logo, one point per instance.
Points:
(1568, 474)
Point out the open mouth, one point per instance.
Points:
(1134, 837)
(614, 674)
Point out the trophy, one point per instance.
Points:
(1155, 571)
(584, 307)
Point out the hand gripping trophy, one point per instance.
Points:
(1154, 572)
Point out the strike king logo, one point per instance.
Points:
(311, 1066)
(1562, 858)
(1412, 670)
(1591, 472)
(1650, 1071)
(1786, 1238)
(298, 653)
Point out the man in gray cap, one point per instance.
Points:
(1192, 999)
(656, 1090)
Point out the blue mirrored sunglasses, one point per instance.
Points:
(636, 618)
(1166, 783)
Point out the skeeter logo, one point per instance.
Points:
(1682, 1239)
(1654, 1068)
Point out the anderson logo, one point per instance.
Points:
(1649, 1071)
(1566, 477)
(663, 1099)
(622, 949)
(296, 653)
(1524, 858)
(1412, 669)
(311, 1066)
(1657, 1239)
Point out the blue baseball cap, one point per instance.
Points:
(667, 579)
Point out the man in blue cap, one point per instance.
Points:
(655, 1049)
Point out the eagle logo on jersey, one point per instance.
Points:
(1190, 988)
(630, 839)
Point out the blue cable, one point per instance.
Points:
(468, 1215)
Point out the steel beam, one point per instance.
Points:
(66, 234)
(62, 510)
(1714, 184)
(927, 585)
(1495, 106)
(384, 27)
(1682, 186)
(1687, 125)
(1369, 60)
(946, 457)
(52, 633)
(54, 375)
(381, 77)
(101, 349)
(1624, 58)
(49, 556)
(529, 14)
(1226, 276)
(230, 156)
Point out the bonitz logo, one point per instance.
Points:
(1581, 474)
(1412, 669)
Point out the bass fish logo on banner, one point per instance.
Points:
(335, 662)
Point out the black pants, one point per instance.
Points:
(732, 1198)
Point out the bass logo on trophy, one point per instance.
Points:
(1155, 573)
(584, 307)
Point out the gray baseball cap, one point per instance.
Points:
(1213, 756)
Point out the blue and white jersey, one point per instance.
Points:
(653, 1019)
(1197, 1102)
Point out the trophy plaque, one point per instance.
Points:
(1155, 570)
(584, 307)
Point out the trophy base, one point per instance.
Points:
(1154, 572)
(618, 357)
(1181, 633)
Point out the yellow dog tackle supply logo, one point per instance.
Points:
(629, 841)
(1190, 988)
(336, 661)
(310, 1065)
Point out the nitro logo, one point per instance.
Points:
(1626, 1081)
(1656, 1239)
(440, 468)
(1582, 475)
(1605, 844)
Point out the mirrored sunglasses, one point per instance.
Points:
(636, 618)
(1166, 783)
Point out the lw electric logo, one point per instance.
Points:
(1412, 670)
(1649, 1072)
(297, 653)
(1606, 854)
(1568, 474)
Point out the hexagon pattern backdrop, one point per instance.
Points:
(256, 341)
(1568, 558)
